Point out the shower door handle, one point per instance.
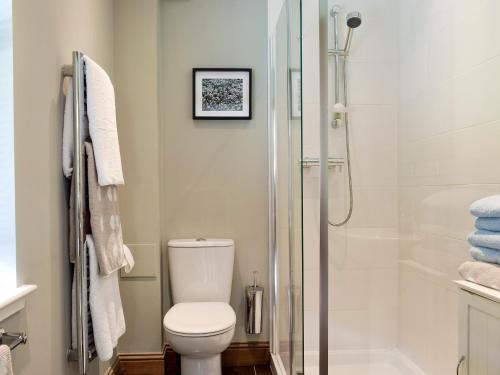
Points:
(459, 365)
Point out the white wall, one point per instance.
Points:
(7, 188)
(136, 54)
(45, 34)
(449, 127)
(214, 173)
(364, 254)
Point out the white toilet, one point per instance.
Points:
(200, 325)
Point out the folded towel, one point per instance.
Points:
(128, 261)
(488, 223)
(484, 254)
(101, 113)
(68, 134)
(105, 306)
(5, 361)
(481, 273)
(104, 219)
(486, 207)
(485, 238)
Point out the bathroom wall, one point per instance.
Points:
(45, 34)
(363, 254)
(214, 173)
(449, 126)
(136, 82)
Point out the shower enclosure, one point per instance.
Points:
(381, 135)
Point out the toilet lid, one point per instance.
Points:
(199, 318)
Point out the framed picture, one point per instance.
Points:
(222, 94)
(296, 94)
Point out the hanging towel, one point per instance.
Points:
(68, 134)
(488, 223)
(105, 307)
(128, 261)
(484, 254)
(101, 113)
(486, 207)
(104, 219)
(481, 273)
(485, 238)
(5, 361)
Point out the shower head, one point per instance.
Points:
(353, 20)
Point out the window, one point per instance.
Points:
(7, 192)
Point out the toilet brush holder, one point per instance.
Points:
(254, 297)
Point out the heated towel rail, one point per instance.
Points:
(83, 354)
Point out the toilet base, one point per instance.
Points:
(201, 366)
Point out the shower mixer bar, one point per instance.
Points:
(314, 162)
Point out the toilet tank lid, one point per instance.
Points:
(201, 242)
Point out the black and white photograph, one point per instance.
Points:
(222, 93)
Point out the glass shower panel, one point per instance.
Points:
(287, 102)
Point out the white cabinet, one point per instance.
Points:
(479, 330)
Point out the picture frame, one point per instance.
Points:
(222, 93)
(295, 94)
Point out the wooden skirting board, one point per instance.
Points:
(168, 362)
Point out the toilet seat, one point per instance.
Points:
(199, 319)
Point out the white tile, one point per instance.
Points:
(373, 139)
(372, 83)
(374, 208)
(349, 329)
(367, 248)
(349, 288)
(311, 289)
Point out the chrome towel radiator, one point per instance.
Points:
(84, 352)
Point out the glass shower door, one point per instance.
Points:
(286, 188)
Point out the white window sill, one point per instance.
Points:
(13, 301)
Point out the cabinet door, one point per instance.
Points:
(479, 335)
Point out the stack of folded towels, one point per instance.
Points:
(485, 244)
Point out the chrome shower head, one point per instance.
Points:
(353, 20)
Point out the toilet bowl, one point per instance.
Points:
(200, 324)
(200, 332)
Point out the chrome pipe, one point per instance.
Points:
(335, 15)
(78, 166)
(323, 210)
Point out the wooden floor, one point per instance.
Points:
(250, 370)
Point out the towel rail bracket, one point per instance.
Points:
(72, 355)
(13, 340)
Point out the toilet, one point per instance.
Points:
(200, 324)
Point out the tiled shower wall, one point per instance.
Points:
(364, 254)
(449, 131)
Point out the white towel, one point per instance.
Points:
(101, 112)
(481, 273)
(128, 261)
(5, 361)
(68, 134)
(105, 307)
